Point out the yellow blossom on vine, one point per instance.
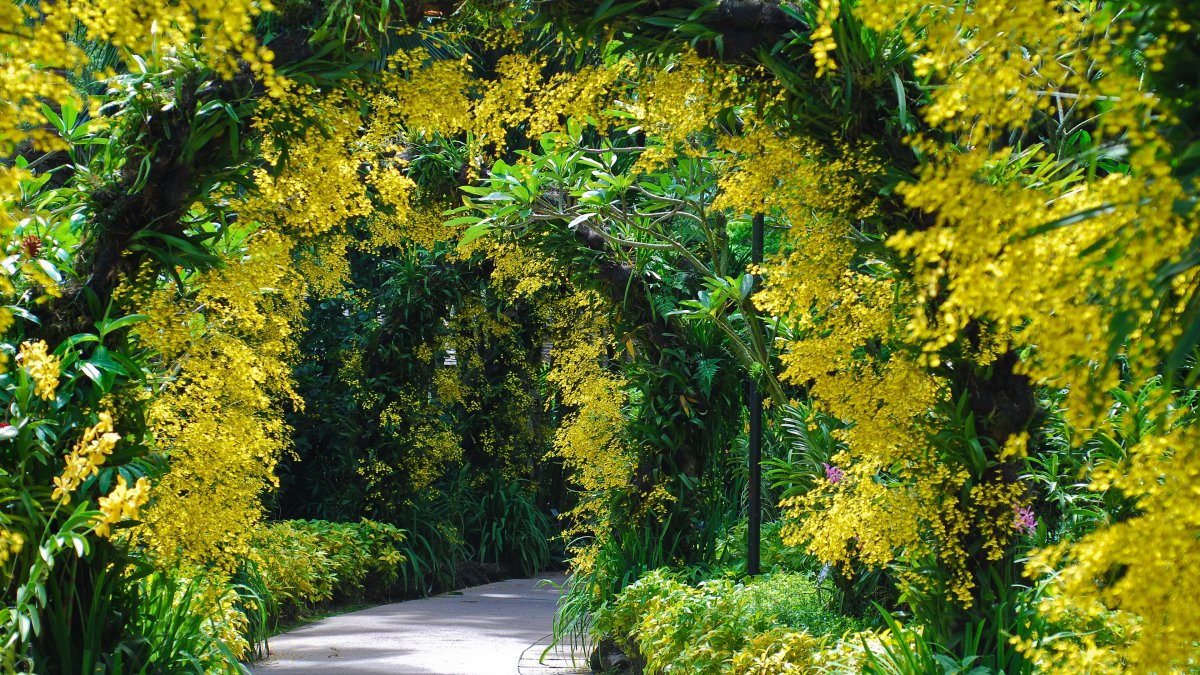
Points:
(1149, 561)
(678, 101)
(42, 57)
(37, 275)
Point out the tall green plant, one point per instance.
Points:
(69, 592)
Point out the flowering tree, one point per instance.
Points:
(978, 209)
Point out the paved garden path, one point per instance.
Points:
(497, 629)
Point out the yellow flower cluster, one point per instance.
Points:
(990, 251)
(6, 321)
(219, 421)
(589, 441)
(121, 504)
(424, 443)
(319, 188)
(822, 39)
(1029, 251)
(225, 615)
(519, 269)
(429, 445)
(85, 459)
(11, 544)
(1151, 563)
(423, 227)
(225, 29)
(425, 94)
(581, 95)
(505, 101)
(41, 58)
(797, 176)
(41, 366)
(678, 101)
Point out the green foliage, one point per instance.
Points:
(507, 528)
(774, 555)
(306, 562)
(425, 350)
(720, 626)
(64, 603)
(803, 601)
(809, 446)
(905, 651)
(1059, 466)
(435, 548)
(453, 449)
(176, 631)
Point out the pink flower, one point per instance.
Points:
(1024, 520)
(834, 474)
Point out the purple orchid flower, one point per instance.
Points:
(1024, 520)
(834, 474)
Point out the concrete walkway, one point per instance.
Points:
(497, 629)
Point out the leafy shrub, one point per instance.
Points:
(304, 562)
(903, 650)
(777, 624)
(777, 651)
(73, 475)
(433, 550)
(801, 601)
(774, 554)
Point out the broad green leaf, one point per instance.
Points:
(474, 232)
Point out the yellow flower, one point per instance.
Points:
(85, 459)
(121, 504)
(10, 544)
(41, 366)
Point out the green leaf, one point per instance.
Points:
(120, 323)
(475, 190)
(1071, 219)
(747, 285)
(103, 360)
(93, 373)
(901, 99)
(607, 10)
(54, 119)
(131, 368)
(474, 232)
(50, 270)
(24, 314)
(77, 339)
(577, 220)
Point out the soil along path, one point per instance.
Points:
(486, 630)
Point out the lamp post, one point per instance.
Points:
(754, 508)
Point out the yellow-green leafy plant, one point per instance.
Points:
(303, 563)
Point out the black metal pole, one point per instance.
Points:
(754, 527)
